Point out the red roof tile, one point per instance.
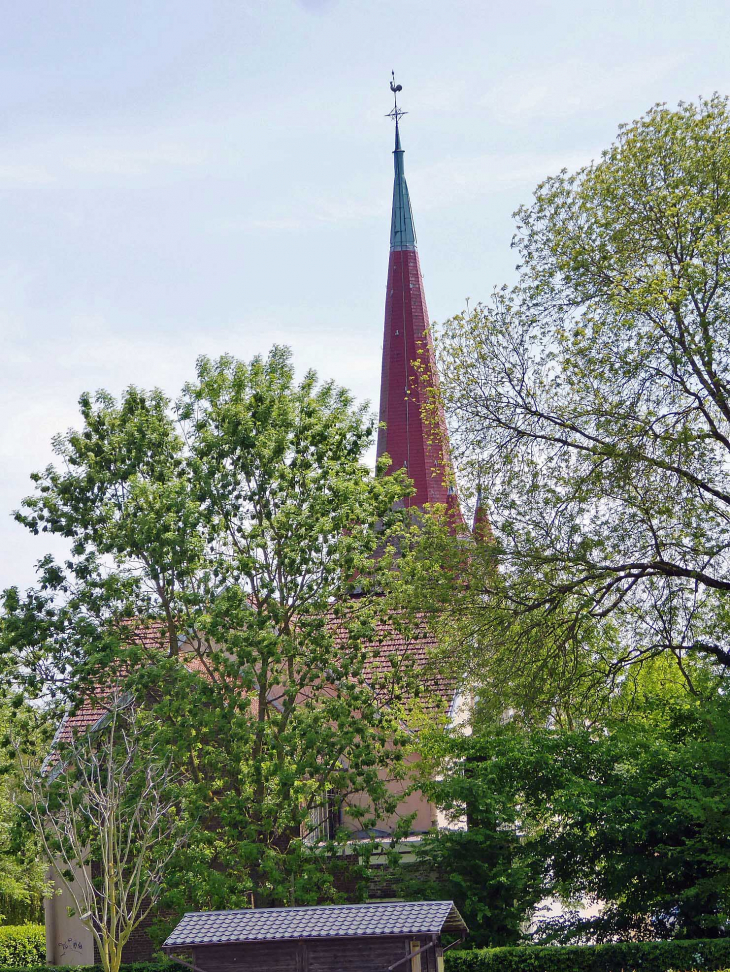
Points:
(390, 647)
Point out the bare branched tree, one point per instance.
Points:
(108, 816)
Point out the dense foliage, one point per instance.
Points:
(216, 546)
(480, 860)
(22, 875)
(22, 945)
(632, 814)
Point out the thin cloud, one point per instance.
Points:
(99, 153)
(572, 87)
(122, 161)
(26, 174)
(459, 179)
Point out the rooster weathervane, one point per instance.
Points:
(396, 113)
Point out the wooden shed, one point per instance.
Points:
(378, 937)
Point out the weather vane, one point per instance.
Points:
(396, 113)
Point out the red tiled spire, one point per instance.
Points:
(411, 438)
(481, 528)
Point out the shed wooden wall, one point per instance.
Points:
(374, 954)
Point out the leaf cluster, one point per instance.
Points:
(629, 817)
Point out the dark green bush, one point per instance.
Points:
(704, 955)
(161, 966)
(22, 945)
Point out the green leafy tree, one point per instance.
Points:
(640, 821)
(630, 817)
(478, 858)
(635, 817)
(217, 546)
(592, 405)
(22, 872)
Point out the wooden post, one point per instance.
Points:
(415, 956)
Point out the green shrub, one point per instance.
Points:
(702, 955)
(161, 966)
(22, 945)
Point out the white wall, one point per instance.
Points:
(68, 942)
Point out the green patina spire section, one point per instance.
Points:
(402, 231)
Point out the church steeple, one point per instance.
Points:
(414, 433)
(481, 528)
(402, 230)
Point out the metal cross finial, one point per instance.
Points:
(396, 113)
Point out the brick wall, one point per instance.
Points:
(139, 948)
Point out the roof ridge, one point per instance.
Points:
(289, 908)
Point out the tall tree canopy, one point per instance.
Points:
(216, 548)
(592, 406)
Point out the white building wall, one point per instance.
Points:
(68, 942)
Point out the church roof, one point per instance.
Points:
(95, 708)
(391, 642)
(416, 643)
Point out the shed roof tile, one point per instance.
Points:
(322, 921)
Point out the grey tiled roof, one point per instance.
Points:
(325, 921)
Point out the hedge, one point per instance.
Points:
(704, 955)
(22, 945)
(162, 966)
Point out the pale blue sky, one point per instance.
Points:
(182, 177)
